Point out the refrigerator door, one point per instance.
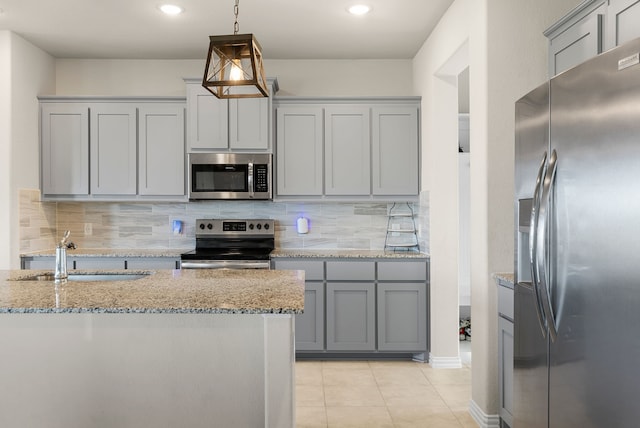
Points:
(530, 387)
(594, 242)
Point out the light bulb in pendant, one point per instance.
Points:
(236, 71)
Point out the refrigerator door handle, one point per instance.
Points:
(535, 208)
(542, 245)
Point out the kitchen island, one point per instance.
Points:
(192, 348)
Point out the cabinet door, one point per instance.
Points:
(249, 123)
(505, 369)
(208, 120)
(144, 263)
(623, 22)
(113, 149)
(98, 263)
(395, 150)
(65, 149)
(299, 151)
(347, 151)
(162, 164)
(310, 324)
(402, 316)
(576, 44)
(350, 316)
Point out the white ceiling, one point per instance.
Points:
(286, 29)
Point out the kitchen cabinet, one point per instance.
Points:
(310, 324)
(113, 149)
(350, 316)
(395, 151)
(101, 263)
(505, 351)
(576, 37)
(347, 149)
(65, 149)
(219, 125)
(161, 170)
(623, 22)
(591, 28)
(362, 306)
(299, 143)
(126, 148)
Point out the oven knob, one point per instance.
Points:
(209, 226)
(259, 226)
(266, 226)
(201, 225)
(250, 226)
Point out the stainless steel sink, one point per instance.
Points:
(78, 276)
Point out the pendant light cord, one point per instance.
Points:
(236, 26)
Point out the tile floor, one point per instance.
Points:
(373, 394)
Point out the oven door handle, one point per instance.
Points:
(225, 264)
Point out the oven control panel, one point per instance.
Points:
(237, 227)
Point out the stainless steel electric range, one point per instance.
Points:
(231, 244)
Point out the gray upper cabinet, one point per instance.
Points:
(208, 120)
(126, 148)
(347, 148)
(589, 29)
(65, 149)
(219, 125)
(113, 144)
(395, 151)
(623, 21)
(299, 151)
(161, 162)
(347, 151)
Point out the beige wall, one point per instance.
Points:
(507, 56)
(27, 71)
(5, 149)
(299, 77)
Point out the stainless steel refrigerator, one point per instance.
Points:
(577, 238)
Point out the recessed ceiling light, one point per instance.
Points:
(171, 9)
(359, 9)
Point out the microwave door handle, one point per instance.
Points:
(250, 180)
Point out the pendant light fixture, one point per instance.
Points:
(234, 66)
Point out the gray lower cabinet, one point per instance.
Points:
(351, 316)
(310, 324)
(362, 306)
(102, 263)
(505, 353)
(402, 317)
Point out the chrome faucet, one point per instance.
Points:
(61, 257)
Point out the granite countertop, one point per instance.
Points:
(163, 291)
(368, 254)
(504, 279)
(111, 252)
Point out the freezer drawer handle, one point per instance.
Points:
(535, 207)
(542, 246)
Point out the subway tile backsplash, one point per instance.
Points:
(140, 225)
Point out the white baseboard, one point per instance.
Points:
(445, 362)
(483, 420)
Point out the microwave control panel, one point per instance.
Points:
(261, 184)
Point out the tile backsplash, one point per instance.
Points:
(141, 225)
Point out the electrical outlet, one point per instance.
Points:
(88, 229)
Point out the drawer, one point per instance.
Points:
(505, 302)
(313, 270)
(351, 271)
(402, 271)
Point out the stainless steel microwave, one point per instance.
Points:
(230, 176)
